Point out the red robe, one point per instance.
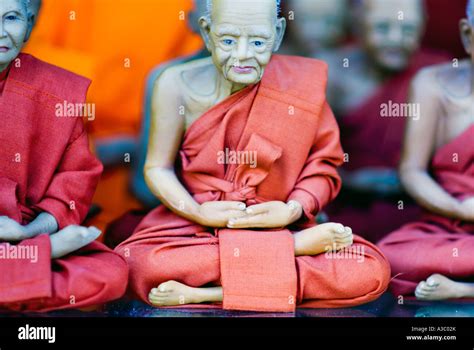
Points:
(373, 141)
(285, 119)
(437, 244)
(46, 166)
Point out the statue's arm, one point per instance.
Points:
(419, 147)
(166, 133)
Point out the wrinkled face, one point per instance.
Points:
(13, 30)
(241, 37)
(319, 23)
(392, 31)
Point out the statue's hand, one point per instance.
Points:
(268, 215)
(218, 213)
(467, 209)
(11, 231)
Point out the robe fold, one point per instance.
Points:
(46, 166)
(437, 244)
(286, 123)
(375, 141)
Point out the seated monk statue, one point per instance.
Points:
(243, 154)
(433, 258)
(369, 78)
(47, 178)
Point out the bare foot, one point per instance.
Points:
(322, 238)
(173, 293)
(439, 287)
(71, 239)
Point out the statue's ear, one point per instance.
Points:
(31, 23)
(466, 35)
(280, 33)
(205, 29)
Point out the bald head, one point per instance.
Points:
(210, 7)
(410, 8)
(390, 30)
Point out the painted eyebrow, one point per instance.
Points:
(261, 33)
(227, 31)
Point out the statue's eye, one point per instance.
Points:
(11, 18)
(258, 43)
(228, 42)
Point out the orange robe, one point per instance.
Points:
(46, 166)
(437, 244)
(284, 119)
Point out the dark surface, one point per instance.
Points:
(386, 306)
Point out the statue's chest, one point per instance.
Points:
(195, 106)
(457, 116)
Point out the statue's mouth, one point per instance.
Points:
(242, 69)
(4, 49)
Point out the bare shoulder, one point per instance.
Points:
(428, 74)
(443, 79)
(191, 77)
(425, 81)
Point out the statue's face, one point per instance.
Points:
(13, 30)
(392, 31)
(319, 23)
(242, 37)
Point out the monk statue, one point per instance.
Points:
(47, 179)
(315, 28)
(243, 154)
(368, 90)
(433, 258)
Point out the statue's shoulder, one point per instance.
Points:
(445, 78)
(192, 75)
(297, 65)
(302, 78)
